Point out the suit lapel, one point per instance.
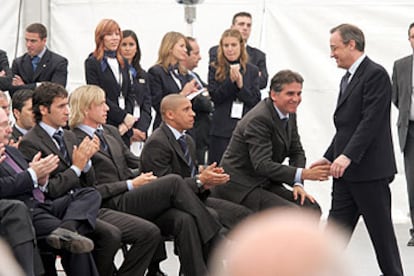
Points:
(279, 129)
(48, 142)
(44, 61)
(16, 158)
(172, 141)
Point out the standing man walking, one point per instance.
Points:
(361, 153)
(402, 93)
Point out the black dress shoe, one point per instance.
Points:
(157, 272)
(62, 238)
(411, 241)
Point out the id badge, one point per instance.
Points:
(137, 112)
(121, 102)
(237, 110)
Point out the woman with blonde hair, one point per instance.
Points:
(233, 84)
(106, 68)
(167, 76)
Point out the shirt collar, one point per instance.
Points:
(22, 130)
(50, 130)
(41, 54)
(88, 129)
(176, 133)
(355, 66)
(281, 115)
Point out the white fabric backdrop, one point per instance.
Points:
(294, 34)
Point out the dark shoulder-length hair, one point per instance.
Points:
(136, 60)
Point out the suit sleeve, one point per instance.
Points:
(375, 107)
(395, 96)
(263, 71)
(92, 76)
(61, 181)
(12, 186)
(6, 80)
(258, 138)
(156, 87)
(145, 105)
(60, 73)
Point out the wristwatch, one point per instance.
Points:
(198, 181)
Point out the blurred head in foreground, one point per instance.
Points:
(281, 243)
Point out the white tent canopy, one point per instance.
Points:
(294, 34)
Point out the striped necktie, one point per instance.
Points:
(187, 155)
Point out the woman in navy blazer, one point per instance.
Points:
(106, 68)
(167, 76)
(233, 85)
(140, 86)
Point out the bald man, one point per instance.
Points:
(280, 242)
(169, 150)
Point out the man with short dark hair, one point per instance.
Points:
(261, 141)
(22, 112)
(402, 97)
(5, 72)
(51, 110)
(242, 21)
(38, 64)
(361, 153)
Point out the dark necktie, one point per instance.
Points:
(187, 155)
(35, 62)
(103, 144)
(37, 193)
(344, 83)
(58, 136)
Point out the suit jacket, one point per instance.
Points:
(162, 154)
(16, 134)
(62, 179)
(52, 67)
(256, 57)
(119, 159)
(142, 96)
(106, 80)
(225, 93)
(5, 82)
(259, 145)
(16, 186)
(161, 85)
(402, 83)
(362, 121)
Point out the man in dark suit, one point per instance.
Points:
(262, 140)
(166, 201)
(57, 219)
(242, 22)
(50, 107)
(22, 112)
(38, 64)
(169, 150)
(17, 229)
(361, 153)
(402, 91)
(202, 104)
(5, 72)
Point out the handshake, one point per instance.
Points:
(323, 168)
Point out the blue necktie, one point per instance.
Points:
(58, 136)
(187, 155)
(103, 144)
(35, 62)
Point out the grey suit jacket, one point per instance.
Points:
(63, 178)
(256, 151)
(114, 166)
(402, 88)
(162, 154)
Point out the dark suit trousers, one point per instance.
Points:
(372, 200)
(82, 205)
(114, 228)
(409, 171)
(229, 213)
(16, 227)
(260, 199)
(192, 223)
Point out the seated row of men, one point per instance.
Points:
(88, 194)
